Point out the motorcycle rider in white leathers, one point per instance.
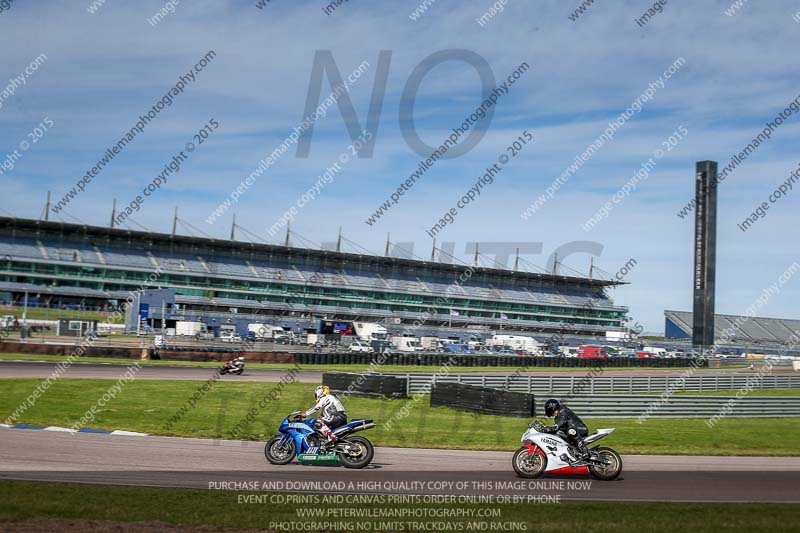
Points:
(332, 413)
(234, 364)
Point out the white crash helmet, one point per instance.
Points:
(321, 391)
(241, 359)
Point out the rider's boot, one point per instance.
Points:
(583, 451)
(569, 459)
(329, 438)
(576, 454)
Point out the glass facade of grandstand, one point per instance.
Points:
(212, 275)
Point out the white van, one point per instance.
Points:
(655, 352)
(406, 344)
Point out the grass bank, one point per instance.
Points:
(149, 405)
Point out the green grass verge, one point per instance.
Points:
(147, 405)
(397, 369)
(187, 508)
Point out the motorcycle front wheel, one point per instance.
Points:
(277, 454)
(529, 465)
(357, 452)
(609, 471)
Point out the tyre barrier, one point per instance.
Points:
(483, 400)
(214, 349)
(374, 385)
(515, 361)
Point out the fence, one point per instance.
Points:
(681, 406)
(720, 362)
(590, 384)
(513, 361)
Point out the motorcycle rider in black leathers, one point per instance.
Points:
(569, 423)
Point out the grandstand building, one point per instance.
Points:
(736, 330)
(71, 264)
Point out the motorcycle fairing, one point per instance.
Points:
(298, 431)
(553, 446)
(597, 435)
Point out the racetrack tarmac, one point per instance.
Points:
(43, 369)
(38, 369)
(238, 465)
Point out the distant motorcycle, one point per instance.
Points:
(548, 453)
(297, 437)
(232, 368)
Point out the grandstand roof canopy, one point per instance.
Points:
(38, 229)
(739, 328)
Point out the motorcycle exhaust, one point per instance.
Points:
(362, 427)
(348, 431)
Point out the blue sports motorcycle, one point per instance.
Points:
(297, 437)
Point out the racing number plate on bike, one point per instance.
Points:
(318, 458)
(313, 455)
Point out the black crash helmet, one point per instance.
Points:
(550, 406)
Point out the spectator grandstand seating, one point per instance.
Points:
(232, 268)
(736, 328)
(210, 275)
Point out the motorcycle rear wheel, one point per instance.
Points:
(529, 465)
(610, 471)
(357, 458)
(277, 454)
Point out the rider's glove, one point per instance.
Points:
(549, 429)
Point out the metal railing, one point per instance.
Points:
(622, 396)
(592, 384)
(684, 406)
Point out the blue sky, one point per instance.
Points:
(105, 69)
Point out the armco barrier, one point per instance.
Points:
(366, 384)
(590, 383)
(482, 400)
(514, 361)
(684, 406)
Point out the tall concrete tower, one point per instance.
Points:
(705, 254)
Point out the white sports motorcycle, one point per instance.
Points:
(546, 452)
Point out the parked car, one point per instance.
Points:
(358, 346)
(457, 348)
(612, 351)
(504, 350)
(282, 338)
(569, 351)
